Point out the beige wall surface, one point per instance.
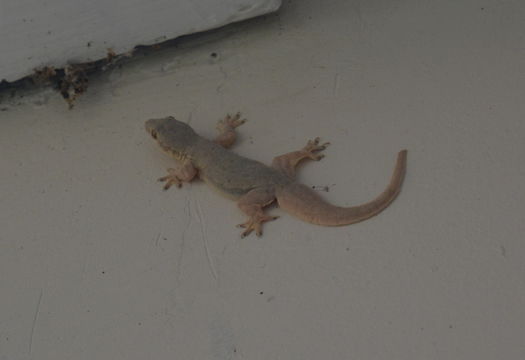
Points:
(97, 262)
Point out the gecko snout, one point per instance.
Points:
(150, 126)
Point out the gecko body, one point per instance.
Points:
(254, 185)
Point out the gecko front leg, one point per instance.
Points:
(184, 173)
(226, 128)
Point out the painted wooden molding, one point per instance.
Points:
(54, 33)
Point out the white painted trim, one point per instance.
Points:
(36, 33)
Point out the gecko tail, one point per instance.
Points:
(306, 204)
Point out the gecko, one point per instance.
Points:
(254, 185)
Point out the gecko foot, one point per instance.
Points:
(230, 122)
(171, 179)
(313, 147)
(254, 223)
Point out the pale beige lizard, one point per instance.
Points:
(254, 185)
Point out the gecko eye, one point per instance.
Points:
(154, 134)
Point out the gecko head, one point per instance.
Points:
(173, 135)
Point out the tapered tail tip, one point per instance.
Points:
(402, 156)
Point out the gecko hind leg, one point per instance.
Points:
(287, 163)
(226, 128)
(252, 204)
